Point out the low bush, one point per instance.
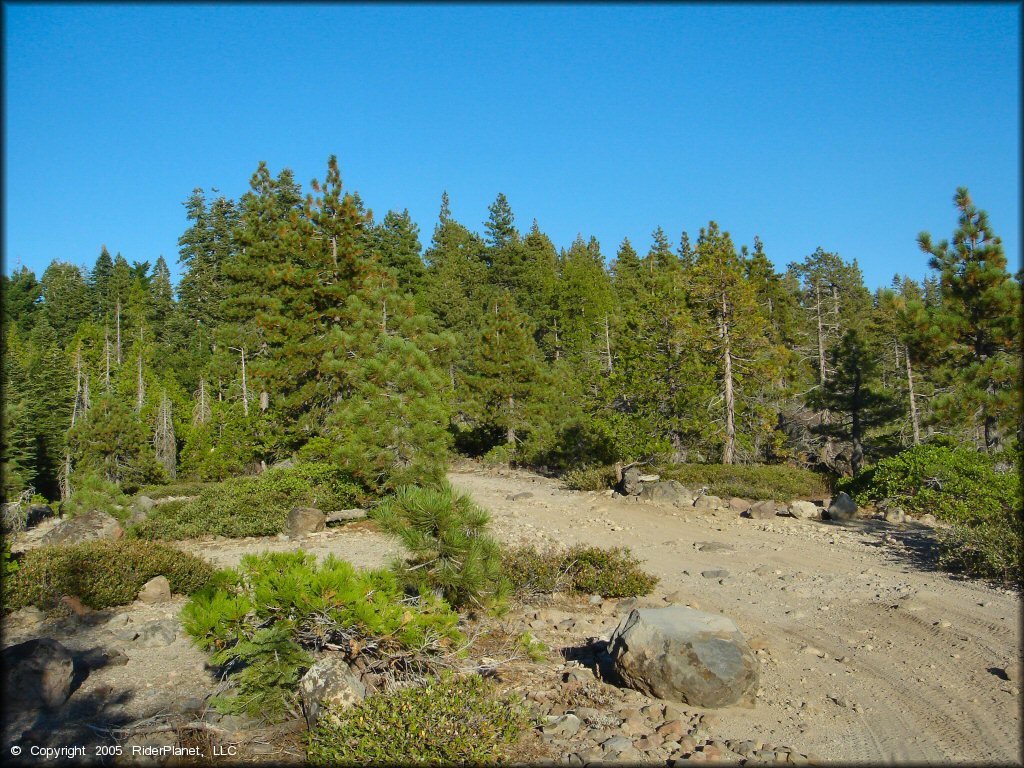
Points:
(583, 570)
(450, 549)
(261, 620)
(100, 573)
(92, 492)
(590, 479)
(962, 487)
(251, 506)
(499, 456)
(451, 720)
(180, 488)
(779, 482)
(956, 484)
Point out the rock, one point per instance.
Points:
(684, 655)
(562, 725)
(88, 526)
(518, 496)
(616, 744)
(713, 546)
(287, 463)
(631, 484)
(155, 634)
(804, 510)
(895, 515)
(708, 502)
(29, 616)
(37, 673)
(761, 510)
(667, 492)
(156, 590)
(143, 503)
(303, 521)
(737, 504)
(716, 573)
(842, 507)
(344, 515)
(330, 682)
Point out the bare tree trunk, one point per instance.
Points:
(163, 439)
(78, 385)
(557, 352)
(119, 331)
(264, 400)
(730, 405)
(510, 433)
(993, 440)
(64, 482)
(821, 334)
(245, 386)
(201, 413)
(384, 321)
(913, 403)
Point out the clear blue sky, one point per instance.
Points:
(846, 126)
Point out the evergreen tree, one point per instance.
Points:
(99, 281)
(65, 298)
(500, 224)
(21, 294)
(397, 244)
(161, 299)
(853, 395)
(18, 460)
(50, 388)
(980, 319)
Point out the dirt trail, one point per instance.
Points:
(871, 655)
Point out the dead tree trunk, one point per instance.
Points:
(913, 404)
(730, 406)
(140, 384)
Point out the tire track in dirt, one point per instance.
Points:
(957, 711)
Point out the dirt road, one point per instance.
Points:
(872, 655)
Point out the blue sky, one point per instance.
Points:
(846, 126)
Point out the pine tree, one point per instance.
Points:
(99, 282)
(980, 319)
(389, 424)
(161, 299)
(18, 460)
(110, 442)
(500, 225)
(736, 333)
(21, 294)
(65, 298)
(854, 396)
(397, 244)
(50, 387)
(164, 442)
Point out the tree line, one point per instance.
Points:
(302, 326)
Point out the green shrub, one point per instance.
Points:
(960, 486)
(450, 550)
(182, 488)
(100, 573)
(251, 506)
(452, 720)
(779, 482)
(10, 564)
(583, 570)
(261, 618)
(956, 484)
(92, 492)
(499, 455)
(590, 479)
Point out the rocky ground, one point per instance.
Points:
(868, 654)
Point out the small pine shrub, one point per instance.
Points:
(592, 479)
(779, 482)
(451, 720)
(261, 619)
(450, 550)
(92, 492)
(251, 506)
(499, 456)
(100, 573)
(10, 564)
(583, 570)
(534, 649)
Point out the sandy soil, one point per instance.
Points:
(871, 654)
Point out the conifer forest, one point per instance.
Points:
(304, 327)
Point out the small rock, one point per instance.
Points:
(716, 573)
(344, 516)
(519, 496)
(155, 634)
(156, 590)
(302, 521)
(616, 744)
(804, 510)
(330, 682)
(714, 546)
(562, 725)
(708, 502)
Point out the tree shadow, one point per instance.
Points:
(911, 543)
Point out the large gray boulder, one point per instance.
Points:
(89, 526)
(804, 510)
(708, 502)
(305, 520)
(631, 484)
(37, 673)
(331, 682)
(667, 492)
(681, 654)
(761, 510)
(842, 507)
